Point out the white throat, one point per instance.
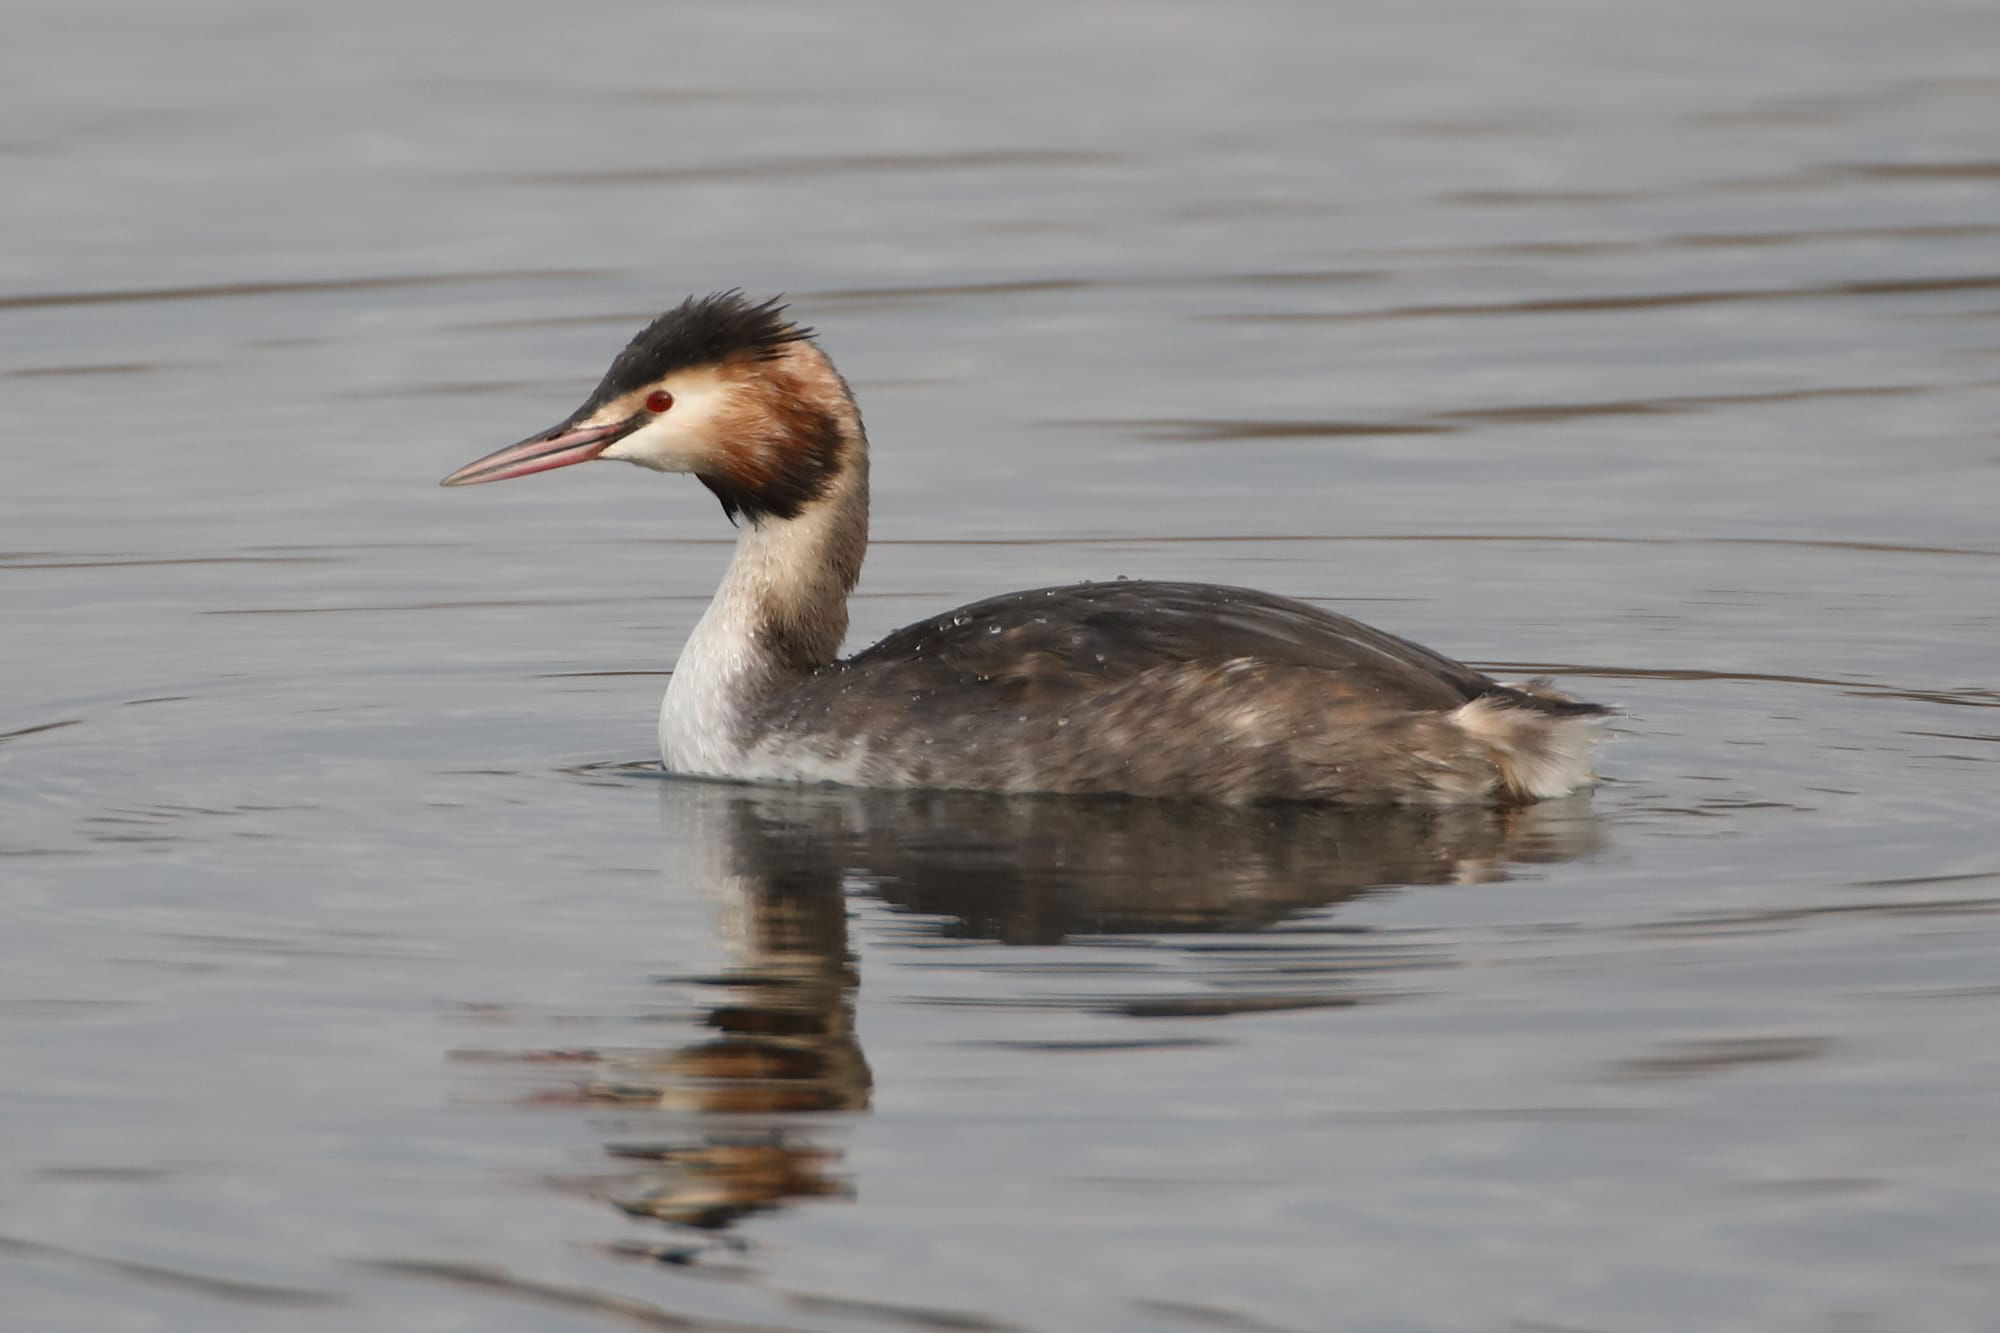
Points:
(779, 615)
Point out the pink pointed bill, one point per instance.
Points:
(539, 453)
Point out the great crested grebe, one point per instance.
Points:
(1147, 689)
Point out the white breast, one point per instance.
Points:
(707, 722)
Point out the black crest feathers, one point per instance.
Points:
(700, 331)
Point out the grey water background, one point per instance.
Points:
(354, 972)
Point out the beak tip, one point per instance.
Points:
(541, 452)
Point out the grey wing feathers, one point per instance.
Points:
(1114, 631)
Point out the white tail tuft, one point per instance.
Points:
(1540, 754)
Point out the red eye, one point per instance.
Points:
(659, 400)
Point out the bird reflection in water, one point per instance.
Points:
(786, 1046)
(763, 1102)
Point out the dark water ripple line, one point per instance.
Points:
(1696, 240)
(1561, 198)
(1210, 1316)
(463, 388)
(98, 368)
(1475, 1115)
(1677, 403)
(144, 562)
(67, 1007)
(900, 1316)
(481, 605)
(113, 1175)
(1101, 1047)
(1166, 1006)
(1988, 170)
(292, 287)
(586, 675)
(453, 606)
(497, 1280)
(1170, 539)
(1970, 696)
(1719, 1055)
(1669, 673)
(621, 318)
(1805, 543)
(1815, 177)
(38, 728)
(1820, 108)
(1912, 881)
(1558, 305)
(1263, 278)
(1172, 430)
(913, 294)
(200, 1284)
(1202, 430)
(786, 168)
(1163, 539)
(1776, 916)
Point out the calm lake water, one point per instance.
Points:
(358, 970)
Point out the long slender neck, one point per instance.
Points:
(783, 600)
(780, 613)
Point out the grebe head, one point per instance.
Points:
(722, 387)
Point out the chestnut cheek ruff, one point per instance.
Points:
(779, 478)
